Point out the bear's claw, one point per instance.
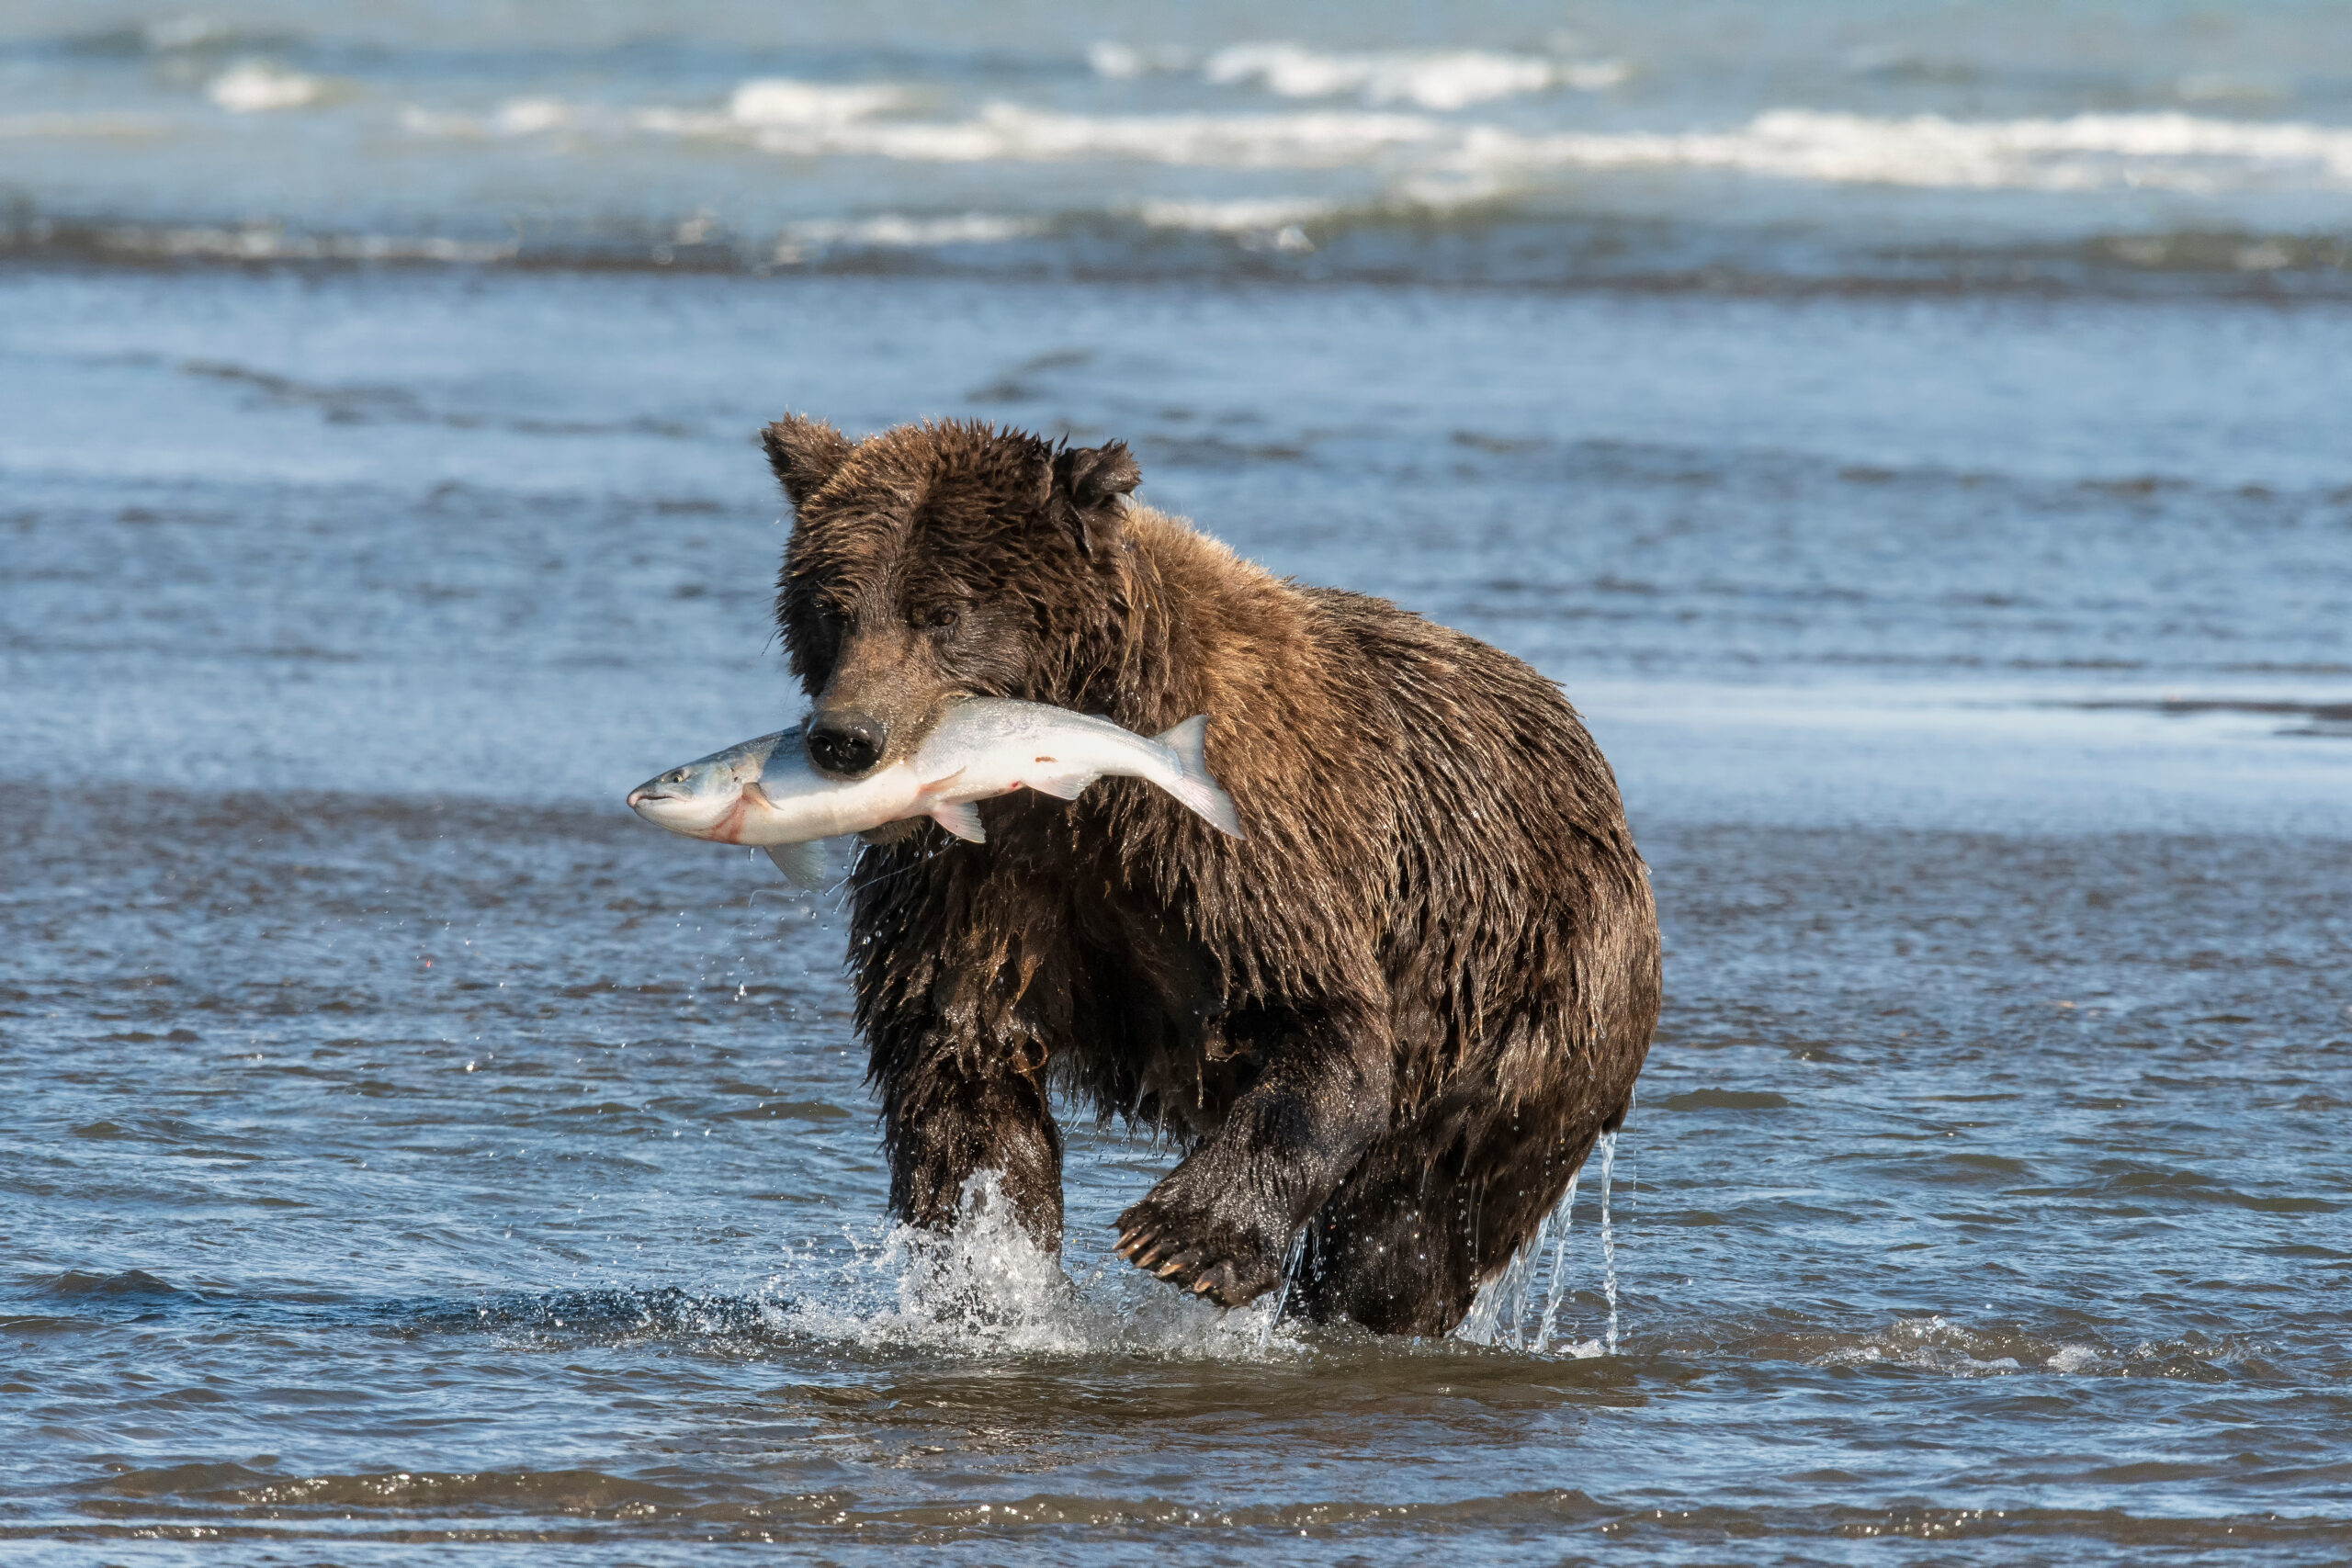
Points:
(1229, 1274)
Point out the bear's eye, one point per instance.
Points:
(942, 617)
(832, 624)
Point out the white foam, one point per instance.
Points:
(1115, 60)
(2170, 151)
(804, 119)
(1446, 79)
(1425, 160)
(897, 229)
(1259, 215)
(764, 104)
(1120, 61)
(514, 117)
(1011, 132)
(255, 87)
(529, 117)
(779, 100)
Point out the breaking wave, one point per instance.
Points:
(1449, 79)
(257, 86)
(1432, 79)
(2086, 151)
(807, 120)
(1375, 165)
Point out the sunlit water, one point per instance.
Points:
(411, 1151)
(1999, 143)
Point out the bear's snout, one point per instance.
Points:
(848, 744)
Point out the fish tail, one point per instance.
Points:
(1188, 743)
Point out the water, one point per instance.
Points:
(1609, 1241)
(1925, 465)
(1999, 143)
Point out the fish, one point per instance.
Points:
(766, 793)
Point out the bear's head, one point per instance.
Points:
(938, 561)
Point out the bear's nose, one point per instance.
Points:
(847, 743)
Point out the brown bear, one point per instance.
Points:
(1391, 1021)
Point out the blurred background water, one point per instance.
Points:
(1914, 435)
(2151, 145)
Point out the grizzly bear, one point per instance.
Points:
(1387, 1025)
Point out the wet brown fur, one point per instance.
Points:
(1393, 1018)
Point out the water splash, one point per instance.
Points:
(1494, 1317)
(1608, 1236)
(985, 1290)
(1507, 1312)
(1567, 1214)
(1282, 1295)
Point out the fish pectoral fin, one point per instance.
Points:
(962, 819)
(804, 866)
(1061, 786)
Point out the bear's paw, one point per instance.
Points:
(1208, 1254)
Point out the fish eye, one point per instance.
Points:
(675, 775)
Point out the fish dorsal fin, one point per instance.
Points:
(803, 865)
(962, 819)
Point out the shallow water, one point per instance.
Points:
(413, 1149)
(394, 1173)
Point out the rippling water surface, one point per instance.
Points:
(2112, 145)
(1916, 440)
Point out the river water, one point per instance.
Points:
(1914, 438)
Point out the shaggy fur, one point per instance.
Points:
(1395, 1018)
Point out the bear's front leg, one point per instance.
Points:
(1221, 1221)
(946, 1117)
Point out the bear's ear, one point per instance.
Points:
(1088, 483)
(804, 453)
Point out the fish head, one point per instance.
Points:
(935, 562)
(696, 798)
